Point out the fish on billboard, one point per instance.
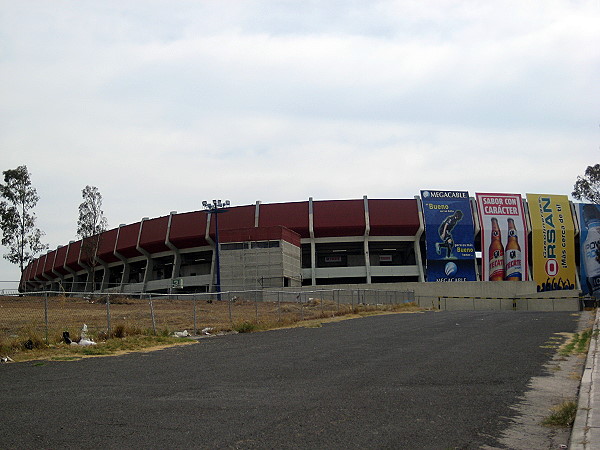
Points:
(589, 254)
(553, 242)
(504, 254)
(449, 236)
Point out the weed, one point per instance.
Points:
(245, 327)
(563, 415)
(122, 330)
(27, 340)
(578, 344)
(119, 331)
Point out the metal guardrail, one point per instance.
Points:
(9, 292)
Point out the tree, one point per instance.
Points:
(17, 219)
(587, 187)
(90, 225)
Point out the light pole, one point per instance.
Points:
(216, 207)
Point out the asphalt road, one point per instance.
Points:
(432, 380)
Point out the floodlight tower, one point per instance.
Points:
(217, 207)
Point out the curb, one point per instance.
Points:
(586, 429)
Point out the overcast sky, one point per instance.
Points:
(163, 104)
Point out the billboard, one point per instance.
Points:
(449, 236)
(553, 242)
(503, 237)
(589, 254)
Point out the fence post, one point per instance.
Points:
(108, 315)
(46, 315)
(152, 314)
(278, 306)
(195, 323)
(230, 313)
(256, 304)
(321, 299)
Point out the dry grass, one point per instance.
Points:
(562, 415)
(23, 319)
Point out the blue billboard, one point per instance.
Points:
(449, 236)
(589, 238)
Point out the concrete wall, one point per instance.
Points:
(476, 295)
(252, 268)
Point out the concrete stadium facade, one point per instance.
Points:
(360, 241)
(375, 242)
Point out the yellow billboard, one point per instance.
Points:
(552, 242)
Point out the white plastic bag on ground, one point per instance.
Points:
(183, 333)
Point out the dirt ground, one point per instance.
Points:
(49, 317)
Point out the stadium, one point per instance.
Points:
(359, 242)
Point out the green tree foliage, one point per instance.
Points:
(17, 219)
(91, 217)
(90, 226)
(587, 187)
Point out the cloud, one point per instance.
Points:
(165, 104)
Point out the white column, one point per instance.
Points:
(58, 274)
(417, 241)
(67, 268)
(176, 254)
(313, 249)
(366, 239)
(257, 214)
(476, 229)
(125, 274)
(149, 264)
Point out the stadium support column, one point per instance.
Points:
(126, 266)
(68, 269)
(176, 254)
(366, 240)
(313, 249)
(257, 214)
(86, 267)
(529, 236)
(578, 227)
(149, 263)
(476, 230)
(40, 282)
(59, 276)
(49, 279)
(105, 274)
(417, 241)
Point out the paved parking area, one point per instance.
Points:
(430, 380)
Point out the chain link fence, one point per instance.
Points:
(46, 315)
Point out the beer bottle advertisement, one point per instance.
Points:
(589, 254)
(552, 242)
(496, 253)
(449, 236)
(513, 268)
(503, 237)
